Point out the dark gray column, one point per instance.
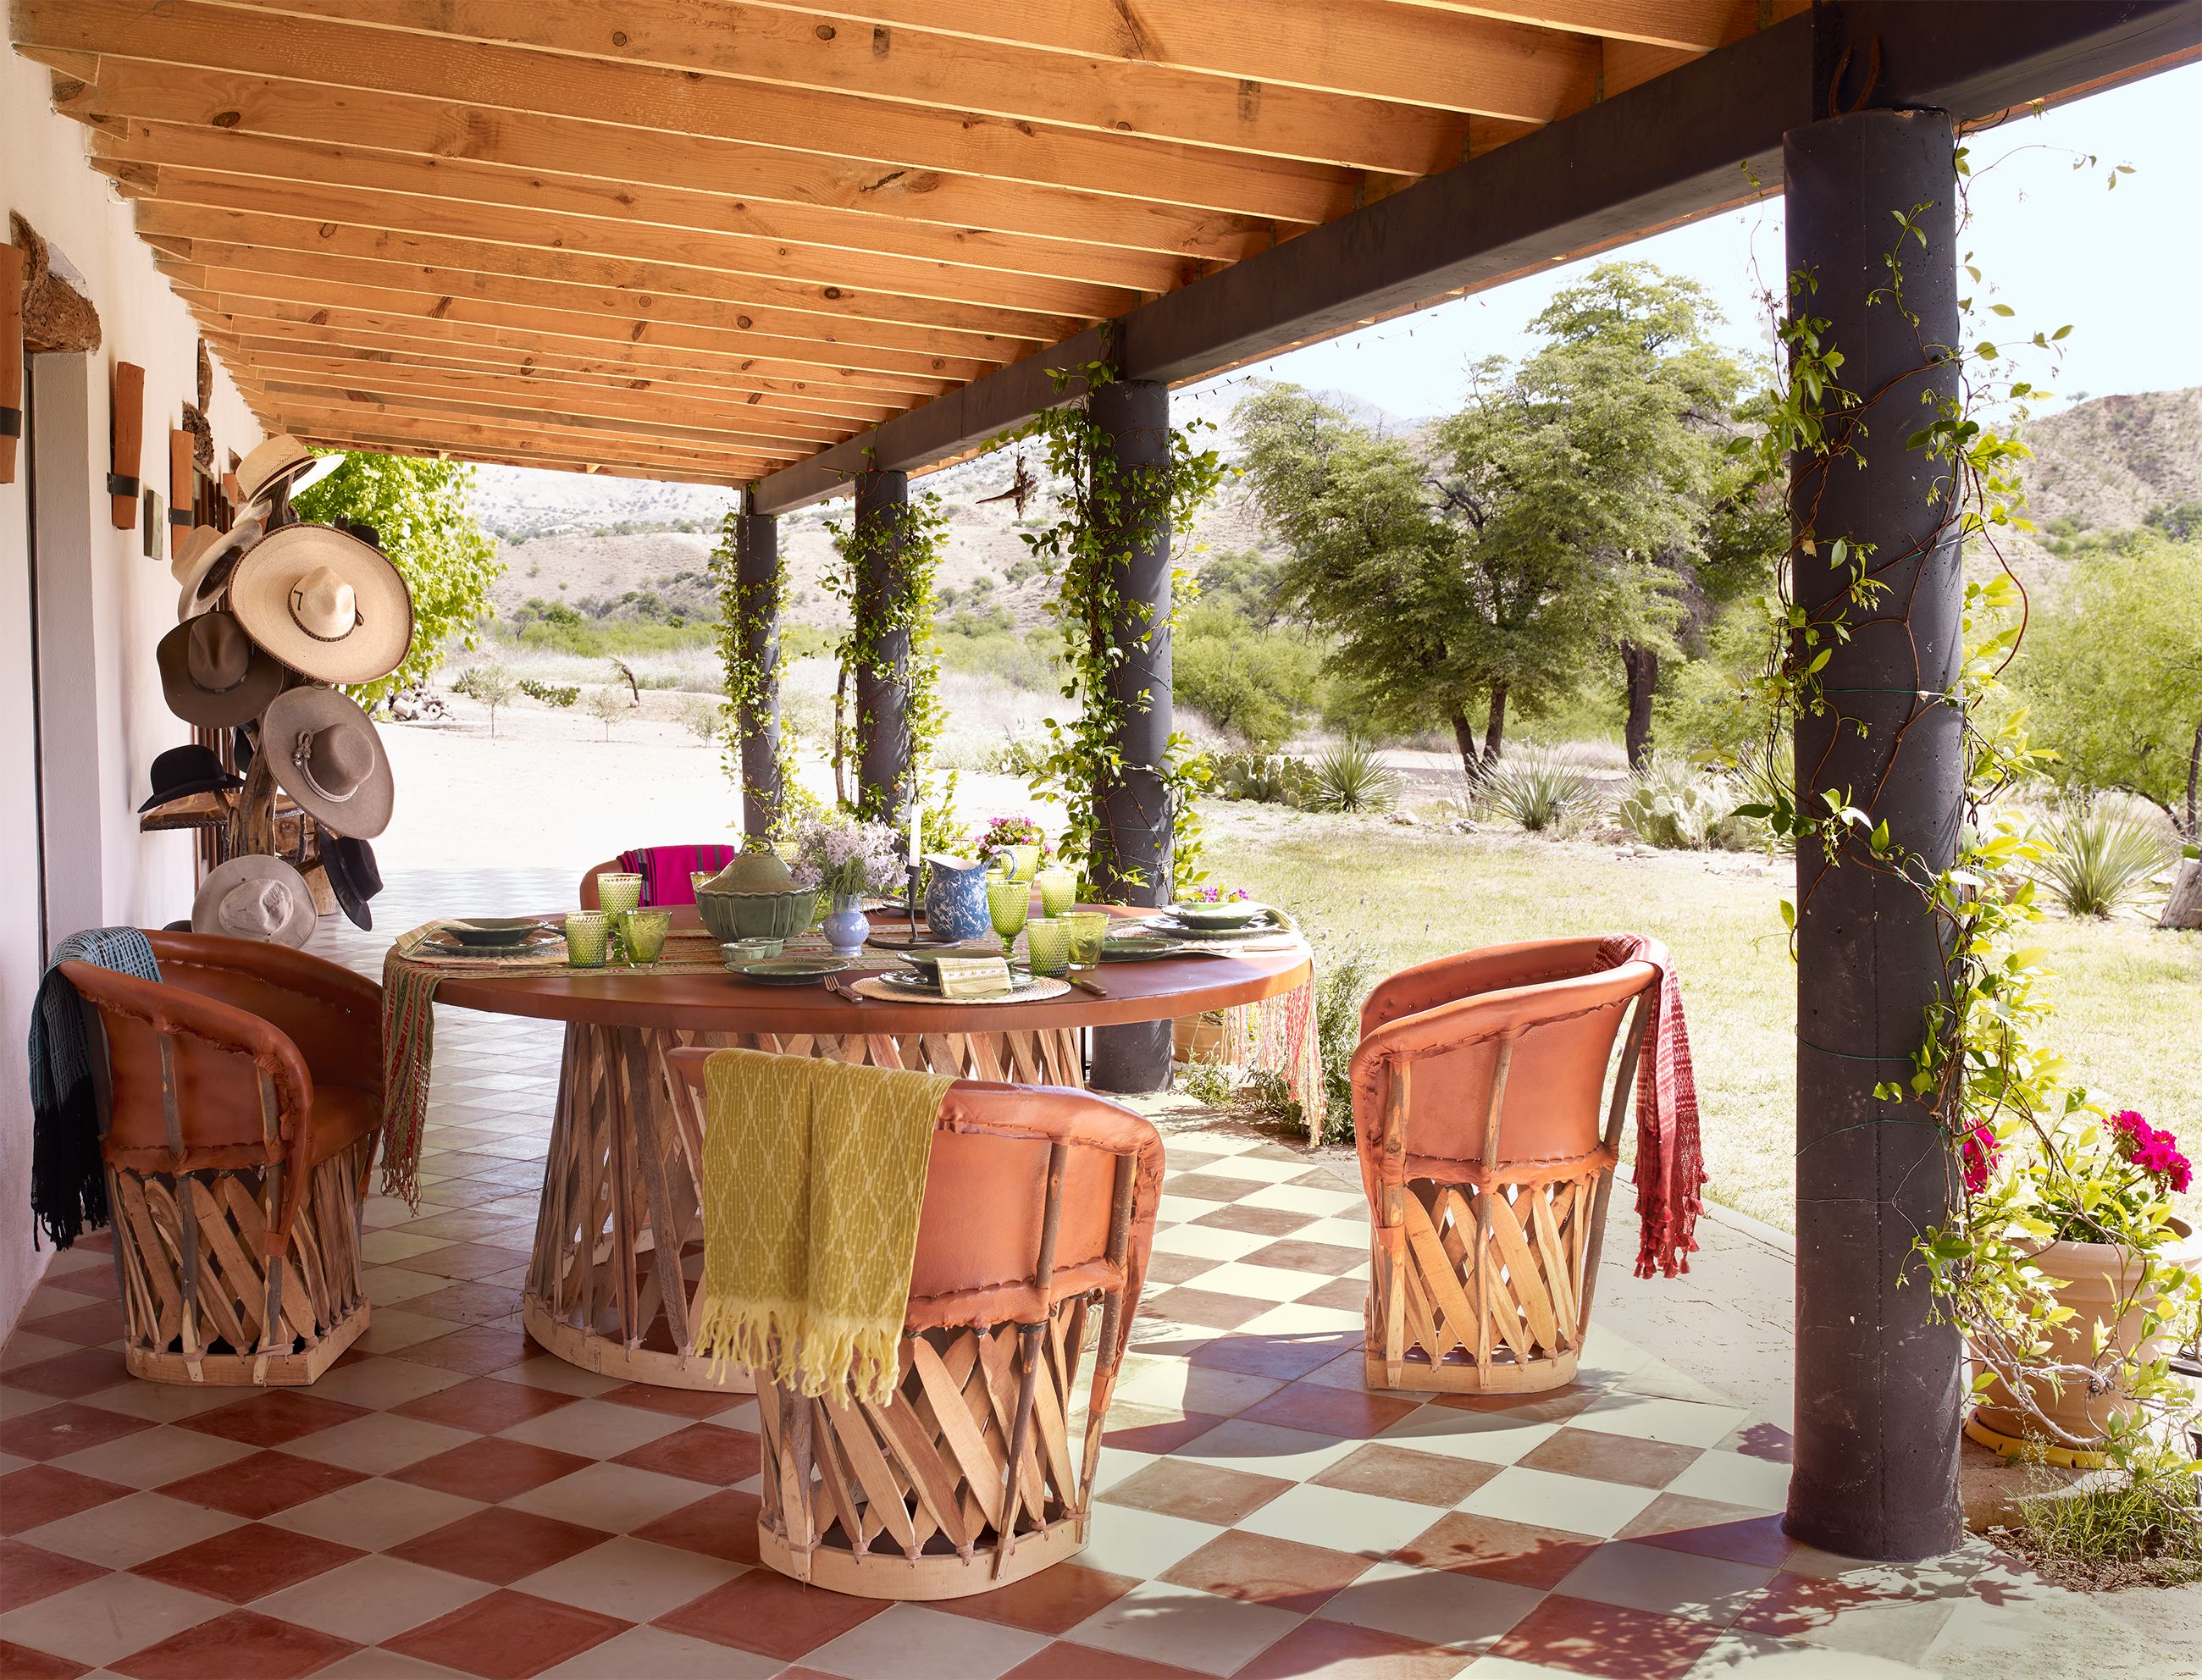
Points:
(883, 696)
(1876, 1473)
(1131, 863)
(757, 562)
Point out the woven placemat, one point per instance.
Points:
(1042, 988)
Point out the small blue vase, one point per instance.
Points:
(955, 899)
(846, 928)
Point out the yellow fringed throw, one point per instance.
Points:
(813, 1175)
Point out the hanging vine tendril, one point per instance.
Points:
(750, 614)
(916, 531)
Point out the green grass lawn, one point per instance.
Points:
(2130, 997)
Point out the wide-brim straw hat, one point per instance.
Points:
(205, 559)
(325, 754)
(279, 461)
(325, 603)
(255, 897)
(212, 674)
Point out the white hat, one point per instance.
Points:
(255, 897)
(279, 460)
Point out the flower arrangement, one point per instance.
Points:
(1214, 895)
(1002, 832)
(2091, 1182)
(843, 857)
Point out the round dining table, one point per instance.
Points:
(617, 1260)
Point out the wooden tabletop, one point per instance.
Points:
(1138, 991)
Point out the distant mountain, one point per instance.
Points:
(2103, 464)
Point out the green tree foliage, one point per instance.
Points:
(421, 516)
(1244, 583)
(2112, 671)
(1258, 684)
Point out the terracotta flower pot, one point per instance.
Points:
(1195, 1038)
(2096, 1277)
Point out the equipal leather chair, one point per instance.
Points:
(239, 1097)
(1039, 1207)
(1476, 1092)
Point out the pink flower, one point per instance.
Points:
(2154, 1151)
(1980, 1152)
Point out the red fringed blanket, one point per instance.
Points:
(1670, 1162)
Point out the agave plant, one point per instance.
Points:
(1538, 790)
(2102, 855)
(1352, 777)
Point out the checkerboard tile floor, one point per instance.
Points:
(450, 1499)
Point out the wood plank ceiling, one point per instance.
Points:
(699, 239)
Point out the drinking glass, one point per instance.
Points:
(1009, 902)
(1087, 929)
(1058, 889)
(644, 933)
(617, 892)
(1047, 944)
(586, 933)
(1024, 860)
(696, 879)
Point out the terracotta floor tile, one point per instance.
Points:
(1611, 1458)
(465, 1222)
(1261, 1569)
(498, 1545)
(1188, 1305)
(1212, 1186)
(1398, 1472)
(73, 1375)
(1257, 1221)
(1065, 1661)
(483, 1405)
(64, 1427)
(701, 1452)
(28, 1573)
(42, 1492)
(243, 1564)
(697, 1403)
(1167, 1268)
(1345, 1294)
(1144, 1429)
(273, 1420)
(1050, 1602)
(1202, 1493)
(491, 1469)
(1712, 1529)
(1350, 1413)
(1294, 1253)
(477, 1350)
(1553, 1405)
(469, 1262)
(240, 1646)
(467, 1303)
(1583, 1637)
(722, 1526)
(1497, 1550)
(507, 1636)
(262, 1484)
(1263, 1355)
(20, 1662)
(1341, 1651)
(768, 1613)
(95, 1325)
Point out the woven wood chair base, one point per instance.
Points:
(618, 1258)
(196, 1302)
(1481, 1291)
(912, 1499)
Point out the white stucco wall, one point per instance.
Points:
(130, 602)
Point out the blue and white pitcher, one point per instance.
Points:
(956, 897)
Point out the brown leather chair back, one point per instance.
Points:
(982, 1224)
(1547, 1007)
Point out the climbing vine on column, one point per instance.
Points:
(918, 527)
(1098, 502)
(747, 686)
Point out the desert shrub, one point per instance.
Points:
(551, 694)
(1025, 661)
(1352, 777)
(1538, 790)
(703, 718)
(1674, 804)
(490, 685)
(607, 705)
(1015, 755)
(1266, 778)
(1256, 684)
(2103, 854)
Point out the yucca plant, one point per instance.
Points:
(1538, 790)
(2101, 855)
(1352, 777)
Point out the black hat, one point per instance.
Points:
(181, 772)
(353, 876)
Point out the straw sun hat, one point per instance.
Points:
(325, 603)
(279, 461)
(255, 897)
(204, 559)
(327, 756)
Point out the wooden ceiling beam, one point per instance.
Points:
(754, 184)
(1695, 26)
(298, 416)
(492, 458)
(342, 55)
(785, 227)
(389, 315)
(287, 343)
(831, 282)
(1508, 71)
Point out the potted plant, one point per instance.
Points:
(2096, 1271)
(844, 859)
(1019, 842)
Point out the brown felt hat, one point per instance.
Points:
(327, 604)
(212, 674)
(327, 756)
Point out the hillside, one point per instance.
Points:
(2103, 464)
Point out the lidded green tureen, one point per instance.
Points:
(756, 897)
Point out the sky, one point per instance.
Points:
(2122, 265)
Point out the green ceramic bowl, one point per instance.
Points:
(756, 915)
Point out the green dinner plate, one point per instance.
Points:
(788, 970)
(917, 985)
(1217, 918)
(1138, 947)
(493, 930)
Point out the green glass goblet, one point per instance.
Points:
(1009, 902)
